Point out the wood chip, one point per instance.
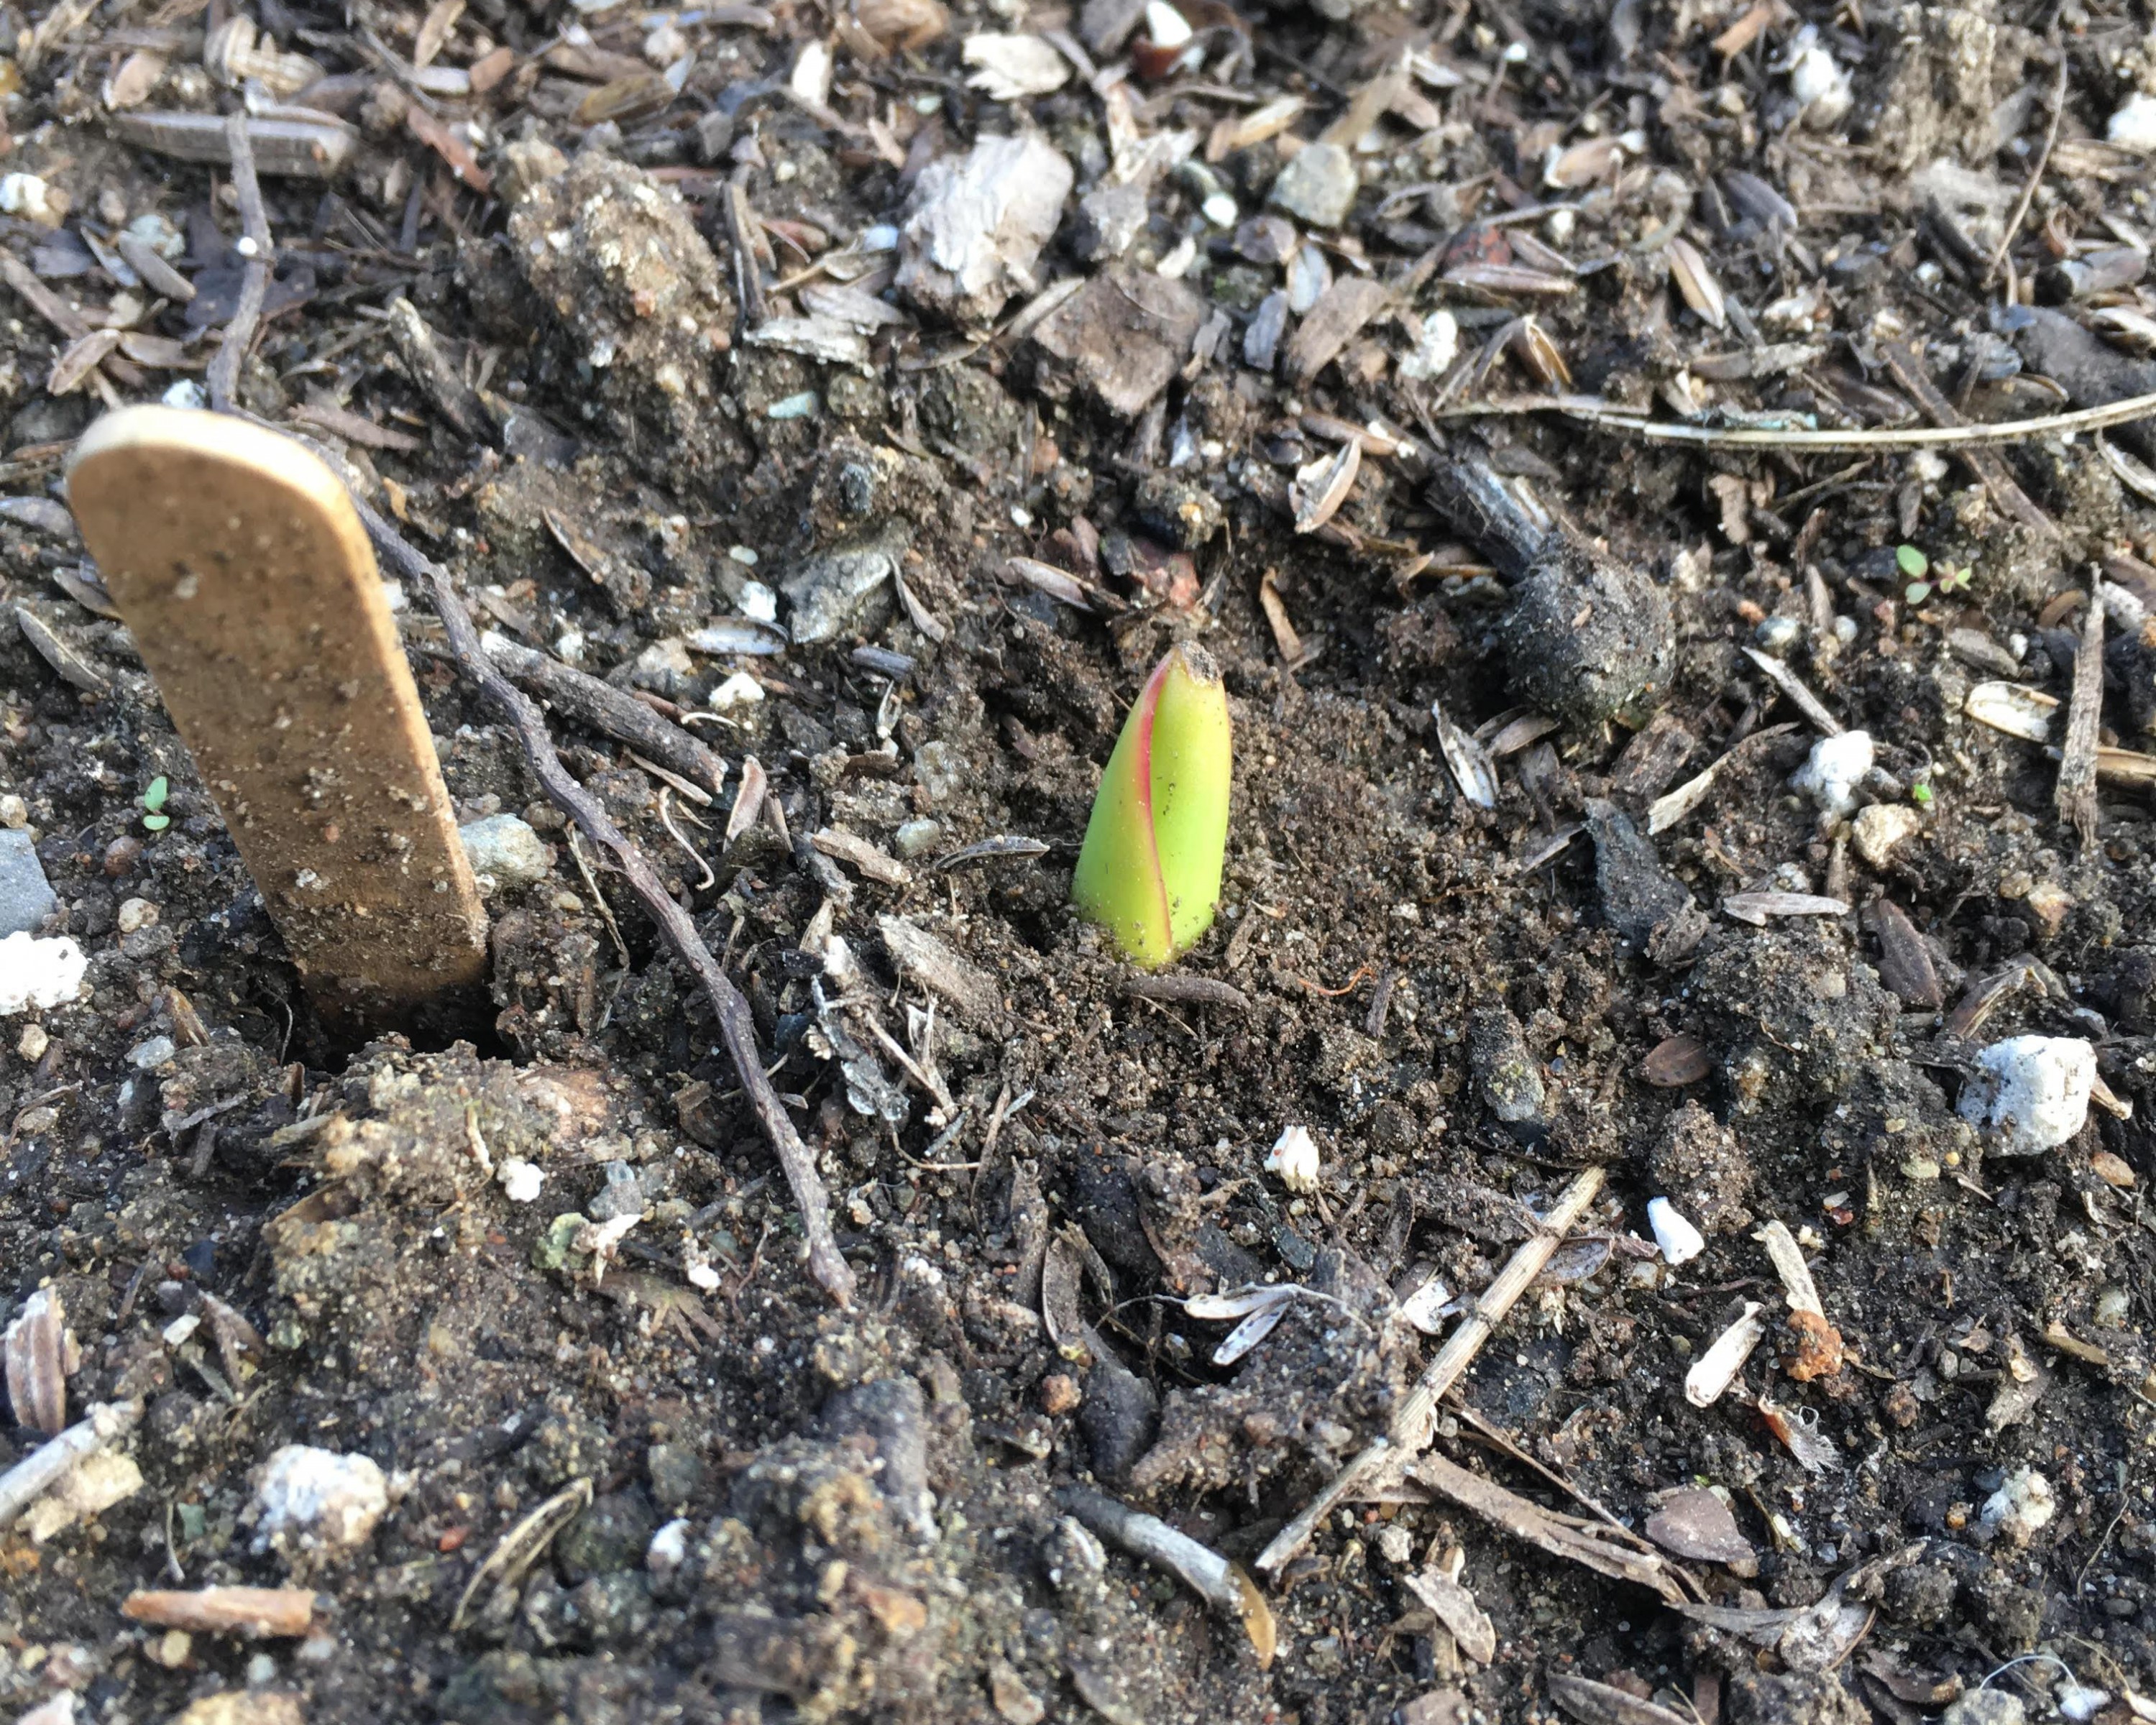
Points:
(1905, 959)
(2076, 787)
(1756, 907)
(920, 956)
(852, 848)
(252, 1612)
(1337, 318)
(1455, 1608)
(1791, 685)
(1985, 462)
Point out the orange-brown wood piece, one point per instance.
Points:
(243, 572)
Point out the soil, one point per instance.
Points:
(777, 1509)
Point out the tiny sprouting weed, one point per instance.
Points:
(1920, 793)
(154, 818)
(1945, 578)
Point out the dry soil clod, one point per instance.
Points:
(246, 577)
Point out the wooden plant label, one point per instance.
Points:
(241, 568)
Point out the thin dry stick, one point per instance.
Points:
(2076, 794)
(1588, 410)
(44, 1467)
(223, 376)
(1416, 1422)
(735, 1023)
(2036, 174)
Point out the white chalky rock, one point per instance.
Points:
(2032, 1090)
(2134, 123)
(2021, 1506)
(1294, 1158)
(668, 1549)
(1680, 1241)
(1836, 767)
(506, 850)
(739, 690)
(38, 972)
(521, 1180)
(1820, 86)
(318, 1499)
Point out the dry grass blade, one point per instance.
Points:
(1756, 907)
(1695, 284)
(518, 1549)
(1529, 1522)
(1593, 1703)
(1606, 417)
(1791, 685)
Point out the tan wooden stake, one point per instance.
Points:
(243, 572)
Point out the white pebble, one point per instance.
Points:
(2033, 1090)
(1294, 1158)
(1437, 345)
(35, 972)
(1167, 26)
(1680, 1241)
(2079, 1702)
(668, 1549)
(1837, 766)
(318, 1498)
(739, 690)
(2134, 123)
(521, 1180)
(25, 195)
(758, 602)
(2019, 1508)
(1821, 88)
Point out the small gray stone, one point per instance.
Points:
(505, 849)
(26, 897)
(665, 668)
(623, 1195)
(1109, 219)
(937, 771)
(1318, 185)
(917, 838)
(150, 1055)
(1986, 1706)
(833, 588)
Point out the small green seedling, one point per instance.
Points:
(1149, 871)
(1945, 578)
(154, 818)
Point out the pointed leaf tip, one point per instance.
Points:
(1150, 869)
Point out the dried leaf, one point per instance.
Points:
(79, 358)
(1593, 1703)
(1695, 1523)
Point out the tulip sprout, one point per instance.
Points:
(1149, 871)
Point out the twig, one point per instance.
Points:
(1588, 411)
(736, 1025)
(741, 229)
(612, 713)
(44, 1467)
(2036, 174)
(1188, 991)
(1415, 1422)
(255, 280)
(2077, 792)
(1909, 372)
(1220, 1582)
